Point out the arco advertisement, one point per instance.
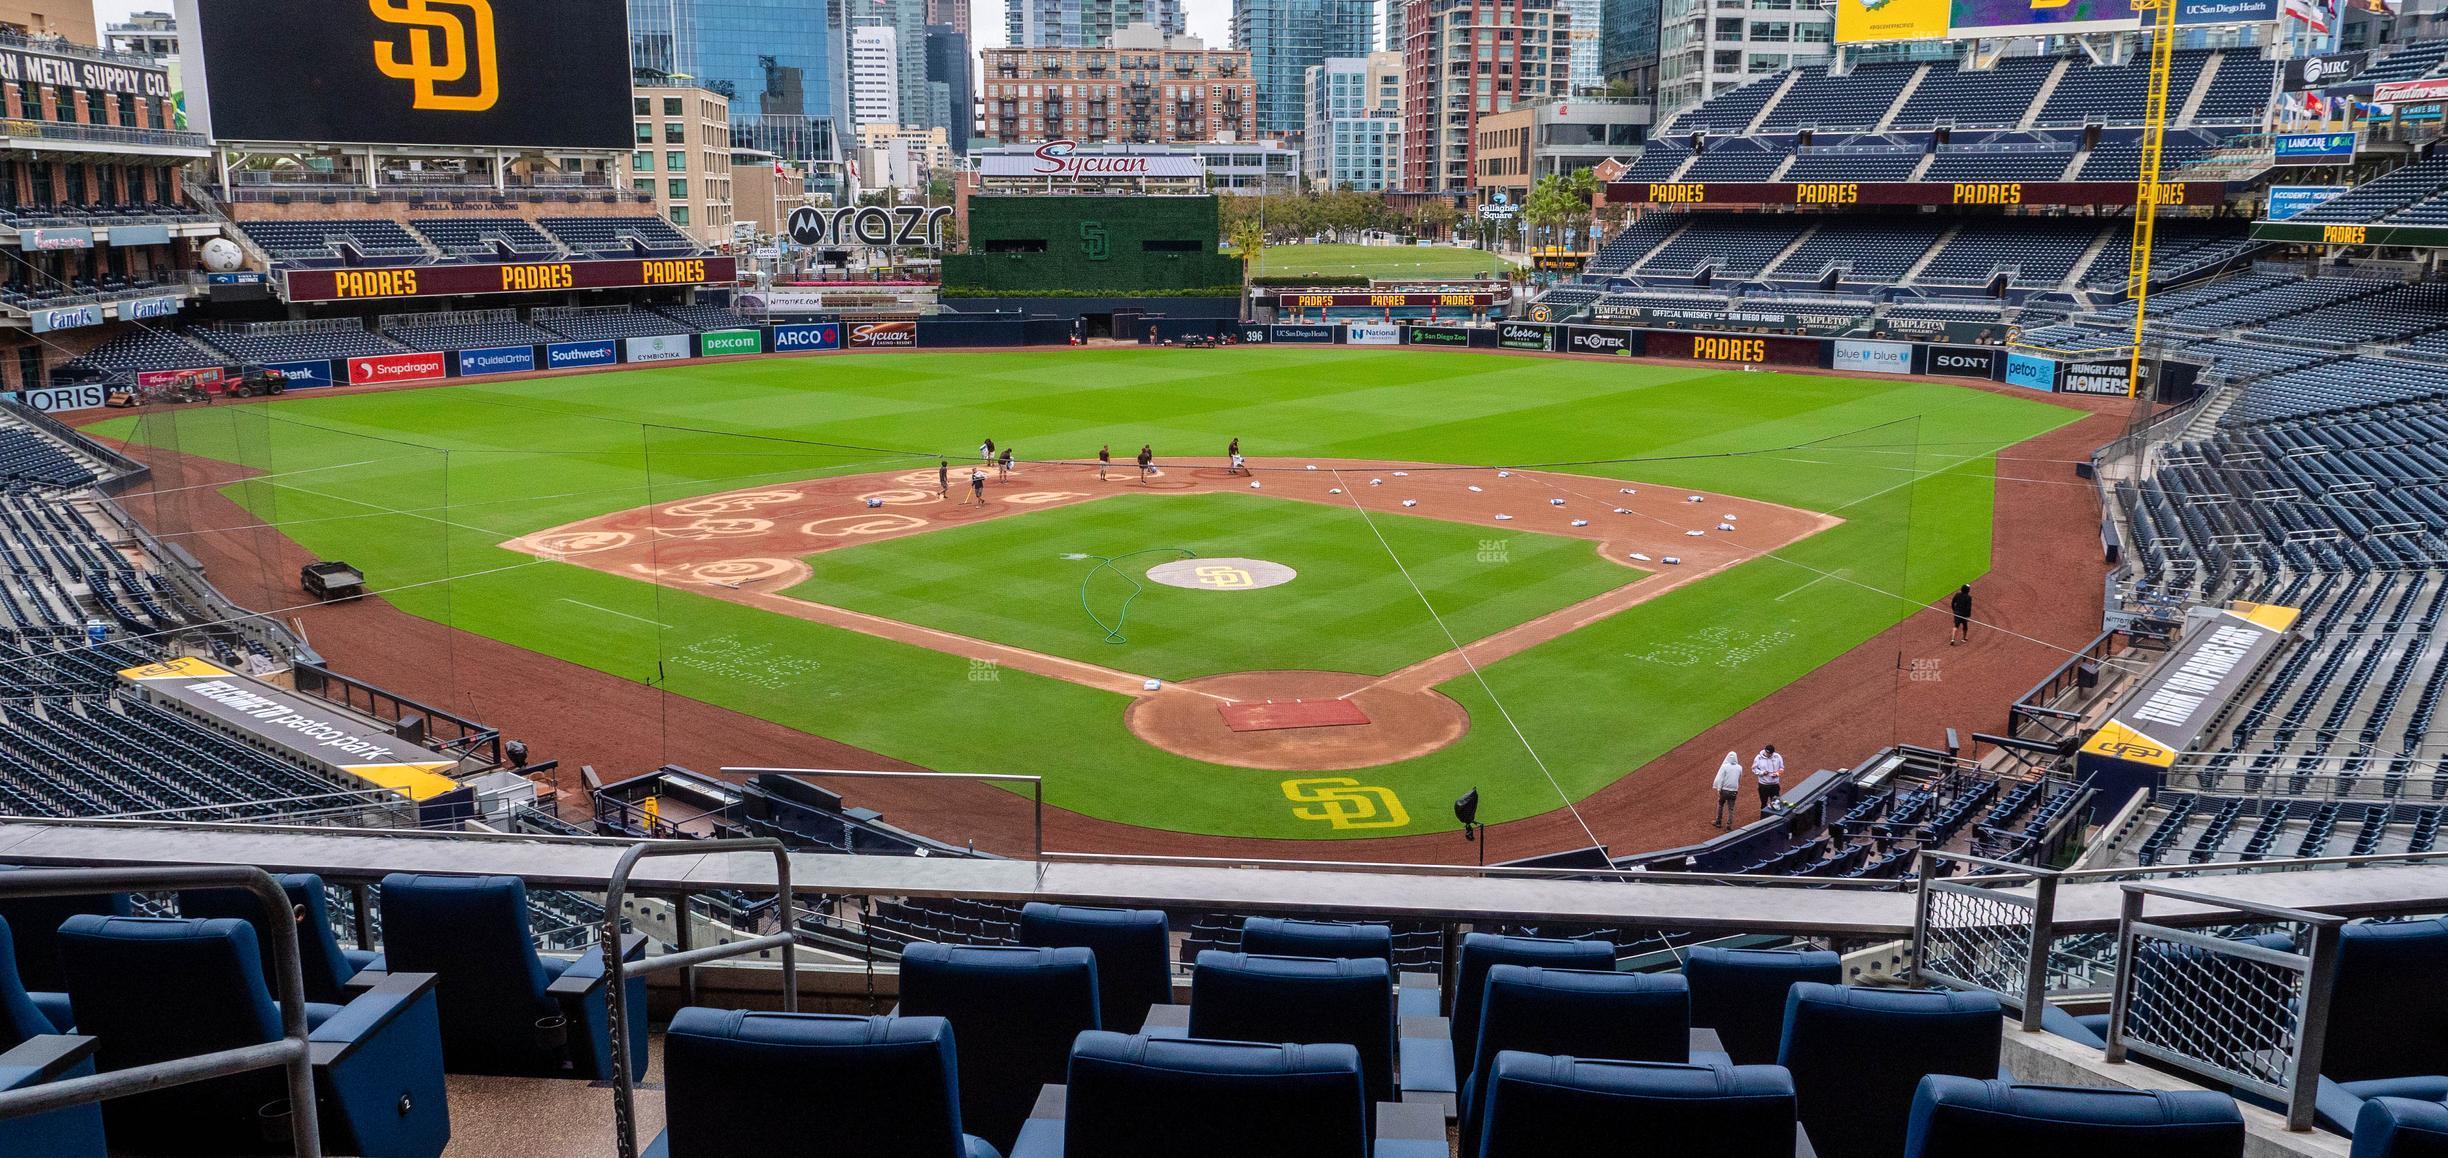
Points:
(814, 336)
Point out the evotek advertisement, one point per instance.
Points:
(534, 74)
(1591, 340)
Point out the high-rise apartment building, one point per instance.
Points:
(1083, 23)
(1708, 46)
(1144, 88)
(1285, 38)
(875, 76)
(1628, 45)
(683, 156)
(907, 20)
(1352, 136)
(952, 12)
(1465, 58)
(951, 95)
(783, 64)
(1583, 50)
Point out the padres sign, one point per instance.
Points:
(1342, 802)
(525, 74)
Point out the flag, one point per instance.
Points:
(2314, 13)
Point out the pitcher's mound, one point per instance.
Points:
(1338, 721)
(1226, 574)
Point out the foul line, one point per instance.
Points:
(622, 614)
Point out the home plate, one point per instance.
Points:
(1275, 715)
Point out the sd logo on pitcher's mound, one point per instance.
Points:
(1222, 574)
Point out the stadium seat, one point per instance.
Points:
(1638, 1017)
(811, 1083)
(1190, 1098)
(505, 1008)
(1350, 1001)
(2388, 1015)
(1131, 947)
(24, 1026)
(328, 966)
(1540, 1106)
(1740, 993)
(1014, 1014)
(155, 989)
(1961, 1117)
(1484, 951)
(2401, 1128)
(36, 920)
(1858, 1056)
(1285, 937)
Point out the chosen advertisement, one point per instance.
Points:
(1524, 336)
(52, 399)
(1322, 335)
(658, 348)
(1874, 357)
(497, 360)
(312, 374)
(537, 74)
(577, 355)
(883, 335)
(1439, 335)
(63, 318)
(1963, 361)
(1865, 21)
(2106, 379)
(2288, 200)
(379, 368)
(724, 343)
(1594, 340)
(2031, 371)
(814, 336)
(2313, 148)
(1371, 334)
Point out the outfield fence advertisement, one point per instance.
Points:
(580, 355)
(883, 335)
(53, 398)
(1874, 357)
(727, 343)
(202, 377)
(498, 360)
(310, 374)
(1963, 361)
(658, 348)
(1439, 335)
(1525, 336)
(1372, 334)
(1749, 351)
(379, 368)
(1597, 340)
(2104, 379)
(1313, 335)
(2031, 372)
(816, 336)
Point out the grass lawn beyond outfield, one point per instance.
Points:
(420, 488)
(1012, 581)
(1378, 261)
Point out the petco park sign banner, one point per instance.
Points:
(1065, 160)
(1843, 193)
(349, 285)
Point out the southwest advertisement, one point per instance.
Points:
(532, 74)
(580, 355)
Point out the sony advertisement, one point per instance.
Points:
(531, 74)
(1963, 361)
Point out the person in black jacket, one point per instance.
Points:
(1962, 606)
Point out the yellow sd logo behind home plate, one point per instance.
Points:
(442, 49)
(1345, 803)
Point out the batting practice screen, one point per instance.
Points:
(546, 74)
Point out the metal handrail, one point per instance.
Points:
(291, 1052)
(1647, 875)
(2033, 999)
(1036, 787)
(617, 971)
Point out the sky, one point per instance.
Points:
(1211, 19)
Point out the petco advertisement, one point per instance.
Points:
(1516, 336)
(397, 368)
(1874, 357)
(2031, 371)
(2107, 379)
(1963, 361)
(573, 355)
(791, 339)
(882, 335)
(661, 348)
(499, 360)
(1371, 334)
(1585, 340)
(312, 374)
(61, 398)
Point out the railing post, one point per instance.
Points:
(2120, 1004)
(361, 914)
(2311, 1034)
(1921, 908)
(2036, 972)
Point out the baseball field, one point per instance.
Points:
(1438, 571)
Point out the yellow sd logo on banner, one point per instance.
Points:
(441, 50)
(1345, 803)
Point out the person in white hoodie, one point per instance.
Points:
(1729, 789)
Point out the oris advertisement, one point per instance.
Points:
(62, 398)
(1963, 361)
(1520, 336)
(1591, 340)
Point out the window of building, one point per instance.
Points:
(645, 133)
(674, 107)
(675, 161)
(679, 214)
(675, 133)
(677, 189)
(643, 162)
(642, 106)
(644, 185)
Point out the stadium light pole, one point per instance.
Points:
(2146, 186)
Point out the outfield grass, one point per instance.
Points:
(1388, 261)
(1347, 611)
(421, 486)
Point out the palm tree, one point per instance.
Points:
(1249, 240)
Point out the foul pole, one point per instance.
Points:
(2147, 187)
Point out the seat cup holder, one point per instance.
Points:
(272, 1122)
(552, 1033)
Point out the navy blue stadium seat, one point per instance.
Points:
(76, 1131)
(2401, 1128)
(1959, 1117)
(2388, 1015)
(154, 989)
(1484, 951)
(1858, 1056)
(20, 1016)
(1642, 1017)
(1132, 951)
(1014, 1012)
(36, 922)
(327, 966)
(1285, 937)
(505, 1008)
(1540, 1106)
(1130, 1096)
(811, 1083)
(1245, 997)
(1740, 993)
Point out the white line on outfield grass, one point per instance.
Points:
(622, 614)
(1824, 575)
